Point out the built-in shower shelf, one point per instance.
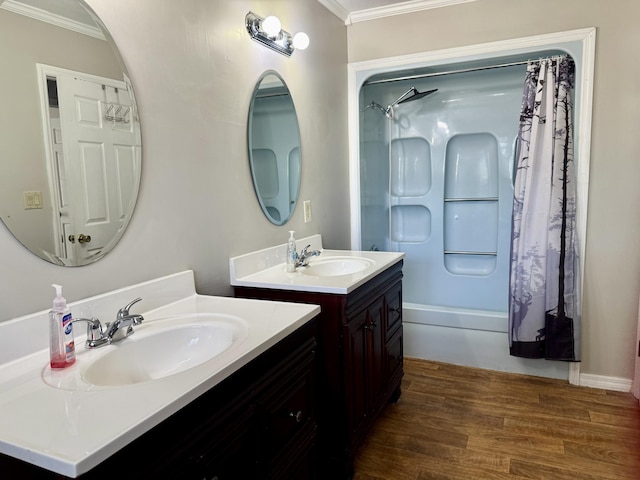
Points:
(456, 252)
(472, 199)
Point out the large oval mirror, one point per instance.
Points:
(274, 148)
(70, 137)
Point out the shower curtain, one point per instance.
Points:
(543, 308)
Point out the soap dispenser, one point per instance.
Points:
(61, 345)
(292, 254)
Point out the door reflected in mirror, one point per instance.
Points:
(71, 155)
(274, 148)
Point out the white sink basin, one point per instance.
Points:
(167, 347)
(336, 266)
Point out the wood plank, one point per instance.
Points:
(463, 423)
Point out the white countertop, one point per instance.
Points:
(266, 269)
(70, 430)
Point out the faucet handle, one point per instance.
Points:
(95, 334)
(124, 311)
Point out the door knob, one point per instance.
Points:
(82, 238)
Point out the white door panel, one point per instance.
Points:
(100, 158)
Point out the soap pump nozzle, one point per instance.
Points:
(59, 303)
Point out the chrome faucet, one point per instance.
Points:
(116, 330)
(303, 257)
(121, 328)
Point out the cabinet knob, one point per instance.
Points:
(370, 325)
(297, 415)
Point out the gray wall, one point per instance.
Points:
(612, 270)
(194, 67)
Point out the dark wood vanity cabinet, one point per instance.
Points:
(259, 423)
(360, 362)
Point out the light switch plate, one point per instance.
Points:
(32, 200)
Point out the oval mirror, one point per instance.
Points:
(70, 139)
(274, 148)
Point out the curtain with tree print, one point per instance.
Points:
(543, 310)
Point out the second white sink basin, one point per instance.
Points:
(167, 347)
(335, 266)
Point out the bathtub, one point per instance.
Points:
(469, 337)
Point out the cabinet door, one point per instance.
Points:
(365, 380)
(286, 422)
(225, 452)
(376, 379)
(355, 371)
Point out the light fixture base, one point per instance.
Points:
(281, 43)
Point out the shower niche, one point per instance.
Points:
(410, 182)
(470, 217)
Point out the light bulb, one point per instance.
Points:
(300, 40)
(271, 26)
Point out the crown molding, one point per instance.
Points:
(337, 9)
(387, 11)
(52, 18)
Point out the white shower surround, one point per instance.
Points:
(490, 348)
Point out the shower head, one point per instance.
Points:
(417, 95)
(408, 96)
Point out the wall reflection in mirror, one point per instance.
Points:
(71, 148)
(274, 148)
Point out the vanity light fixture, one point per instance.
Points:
(268, 31)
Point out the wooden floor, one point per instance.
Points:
(470, 424)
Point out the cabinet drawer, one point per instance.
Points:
(395, 356)
(394, 308)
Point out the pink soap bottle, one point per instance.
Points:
(61, 344)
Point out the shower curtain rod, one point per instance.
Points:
(463, 70)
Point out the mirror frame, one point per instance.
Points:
(270, 211)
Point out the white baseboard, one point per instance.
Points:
(607, 383)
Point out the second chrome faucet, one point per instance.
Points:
(303, 257)
(121, 328)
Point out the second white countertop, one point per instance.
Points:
(266, 269)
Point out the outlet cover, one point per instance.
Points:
(307, 211)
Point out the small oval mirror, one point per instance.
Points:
(274, 148)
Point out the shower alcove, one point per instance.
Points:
(433, 178)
